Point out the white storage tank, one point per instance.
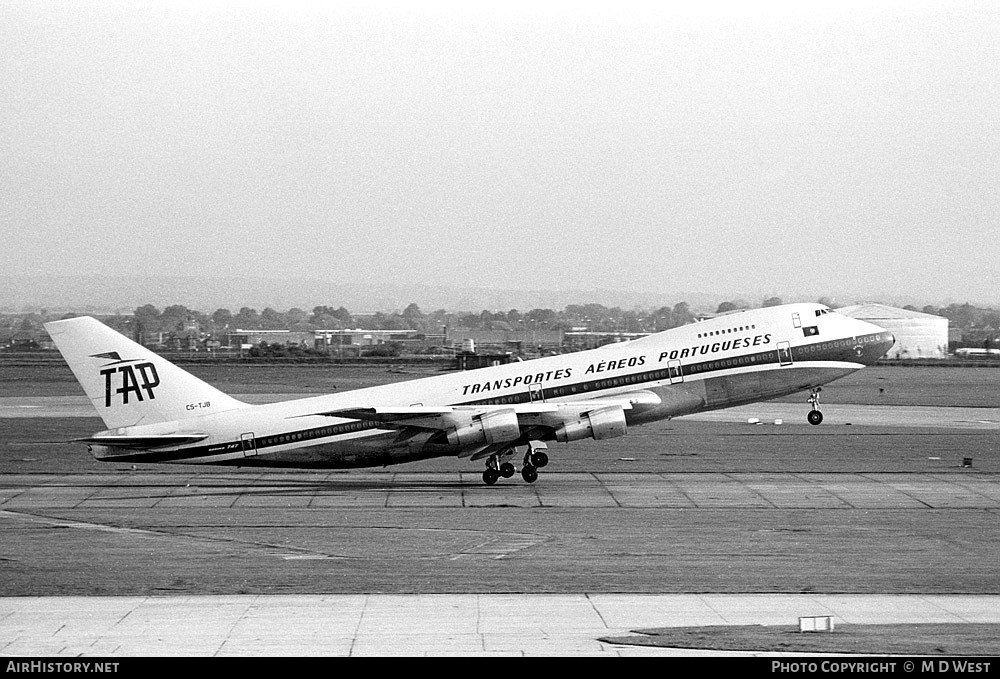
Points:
(918, 335)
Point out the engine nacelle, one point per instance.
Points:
(495, 426)
(601, 423)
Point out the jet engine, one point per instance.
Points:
(607, 422)
(495, 426)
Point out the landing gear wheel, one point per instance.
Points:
(490, 476)
(539, 459)
(529, 473)
(814, 416)
(507, 470)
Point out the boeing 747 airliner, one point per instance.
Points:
(156, 412)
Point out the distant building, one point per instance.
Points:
(918, 335)
(245, 339)
(360, 338)
(528, 340)
(583, 339)
(473, 361)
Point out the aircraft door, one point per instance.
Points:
(535, 393)
(784, 353)
(675, 371)
(249, 444)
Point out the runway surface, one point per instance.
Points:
(870, 517)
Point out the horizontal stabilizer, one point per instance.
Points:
(142, 442)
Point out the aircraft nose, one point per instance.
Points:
(876, 343)
(881, 347)
(886, 344)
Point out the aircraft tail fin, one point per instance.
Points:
(129, 384)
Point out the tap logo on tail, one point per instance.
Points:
(131, 379)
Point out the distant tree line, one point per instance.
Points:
(964, 316)
(151, 324)
(176, 320)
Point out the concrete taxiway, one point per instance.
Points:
(428, 625)
(128, 495)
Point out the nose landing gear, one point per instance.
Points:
(814, 416)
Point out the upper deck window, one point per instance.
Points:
(726, 331)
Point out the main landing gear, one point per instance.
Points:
(494, 470)
(534, 459)
(814, 416)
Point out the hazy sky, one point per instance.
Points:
(837, 148)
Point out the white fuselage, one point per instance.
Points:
(729, 360)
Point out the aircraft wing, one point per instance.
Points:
(474, 428)
(410, 416)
